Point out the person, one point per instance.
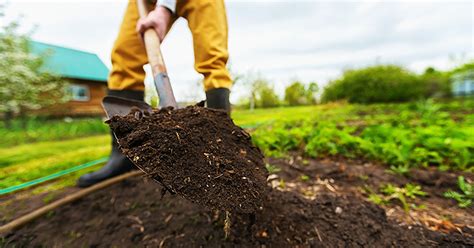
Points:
(207, 21)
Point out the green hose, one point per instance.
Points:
(52, 176)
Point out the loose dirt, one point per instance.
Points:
(130, 214)
(198, 153)
(353, 177)
(324, 211)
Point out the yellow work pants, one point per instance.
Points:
(208, 24)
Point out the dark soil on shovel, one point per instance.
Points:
(197, 153)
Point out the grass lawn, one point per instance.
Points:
(246, 118)
(38, 129)
(59, 145)
(30, 161)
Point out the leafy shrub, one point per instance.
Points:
(381, 83)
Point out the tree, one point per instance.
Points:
(266, 96)
(261, 93)
(435, 83)
(311, 92)
(297, 94)
(24, 86)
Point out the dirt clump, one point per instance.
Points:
(196, 152)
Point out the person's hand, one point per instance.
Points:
(158, 19)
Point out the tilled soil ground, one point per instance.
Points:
(353, 177)
(197, 153)
(326, 210)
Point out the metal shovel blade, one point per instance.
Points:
(120, 106)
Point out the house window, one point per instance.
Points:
(79, 92)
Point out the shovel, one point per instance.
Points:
(121, 106)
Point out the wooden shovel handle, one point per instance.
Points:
(152, 43)
(158, 68)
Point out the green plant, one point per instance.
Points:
(282, 184)
(304, 178)
(401, 136)
(400, 169)
(466, 196)
(272, 169)
(413, 190)
(377, 199)
(389, 192)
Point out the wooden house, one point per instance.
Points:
(85, 72)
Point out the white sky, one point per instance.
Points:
(283, 40)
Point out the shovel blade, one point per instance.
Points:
(121, 106)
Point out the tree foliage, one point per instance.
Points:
(299, 94)
(261, 93)
(265, 96)
(435, 83)
(381, 83)
(24, 86)
(468, 66)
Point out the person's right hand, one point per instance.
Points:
(158, 19)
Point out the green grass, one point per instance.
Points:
(257, 117)
(27, 162)
(37, 129)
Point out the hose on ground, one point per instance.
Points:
(52, 176)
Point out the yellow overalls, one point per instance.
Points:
(207, 21)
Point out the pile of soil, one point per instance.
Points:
(131, 214)
(196, 152)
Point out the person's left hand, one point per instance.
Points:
(158, 19)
